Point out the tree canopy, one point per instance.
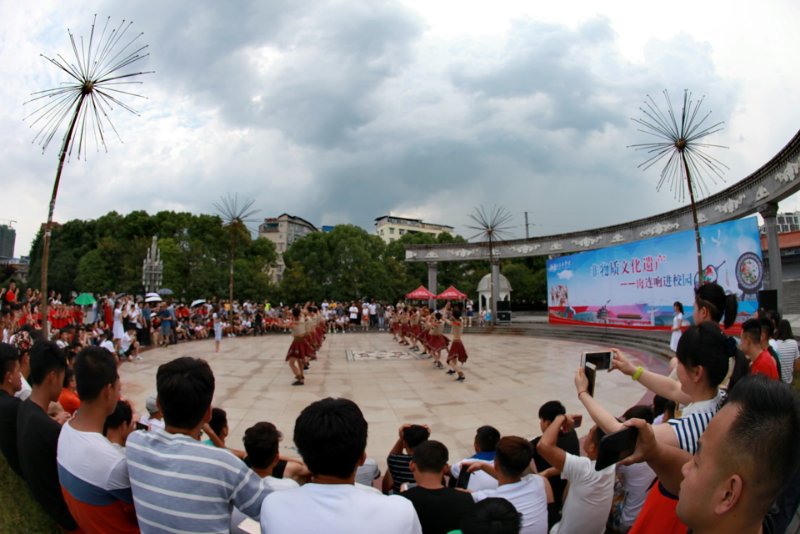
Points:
(347, 263)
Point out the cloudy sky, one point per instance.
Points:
(342, 111)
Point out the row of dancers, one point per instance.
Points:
(419, 328)
(308, 333)
(423, 330)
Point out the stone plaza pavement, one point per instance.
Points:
(508, 378)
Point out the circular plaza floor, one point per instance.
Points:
(508, 378)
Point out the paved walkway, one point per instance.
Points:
(508, 378)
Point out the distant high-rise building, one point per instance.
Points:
(283, 230)
(8, 237)
(390, 227)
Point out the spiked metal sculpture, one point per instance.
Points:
(96, 85)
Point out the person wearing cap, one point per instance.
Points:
(153, 418)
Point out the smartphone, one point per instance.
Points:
(591, 372)
(614, 447)
(576, 421)
(463, 478)
(601, 360)
(141, 426)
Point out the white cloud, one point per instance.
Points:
(343, 111)
(565, 275)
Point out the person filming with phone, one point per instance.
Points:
(703, 360)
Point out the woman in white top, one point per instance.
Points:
(217, 328)
(118, 329)
(788, 353)
(677, 321)
(703, 359)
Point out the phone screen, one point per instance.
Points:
(614, 447)
(576, 421)
(601, 360)
(591, 372)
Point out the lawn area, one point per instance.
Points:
(19, 513)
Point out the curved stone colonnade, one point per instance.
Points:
(759, 192)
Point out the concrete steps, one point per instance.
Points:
(656, 343)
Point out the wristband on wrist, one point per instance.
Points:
(637, 374)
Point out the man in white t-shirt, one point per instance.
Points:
(529, 494)
(331, 436)
(590, 492)
(93, 473)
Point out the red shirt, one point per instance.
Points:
(764, 365)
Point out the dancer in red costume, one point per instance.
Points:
(298, 349)
(456, 353)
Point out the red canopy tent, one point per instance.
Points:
(420, 294)
(451, 293)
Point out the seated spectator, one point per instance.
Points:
(9, 404)
(37, 433)
(68, 399)
(727, 486)
(92, 472)
(169, 469)
(106, 343)
(486, 438)
(153, 418)
(331, 436)
(590, 492)
(493, 515)
(368, 473)
(439, 509)
(529, 494)
(261, 443)
(217, 431)
(399, 472)
(761, 360)
(119, 424)
(567, 441)
(129, 346)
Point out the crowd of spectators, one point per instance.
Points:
(724, 458)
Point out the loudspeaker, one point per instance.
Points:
(503, 305)
(768, 299)
(503, 316)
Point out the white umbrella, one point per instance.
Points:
(153, 298)
(197, 302)
(148, 295)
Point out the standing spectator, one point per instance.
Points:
(37, 433)
(93, 473)
(677, 324)
(169, 469)
(590, 492)
(439, 509)
(10, 295)
(399, 471)
(760, 358)
(331, 436)
(9, 404)
(373, 314)
(166, 325)
(786, 346)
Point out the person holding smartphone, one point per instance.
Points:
(703, 359)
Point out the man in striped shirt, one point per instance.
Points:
(179, 484)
